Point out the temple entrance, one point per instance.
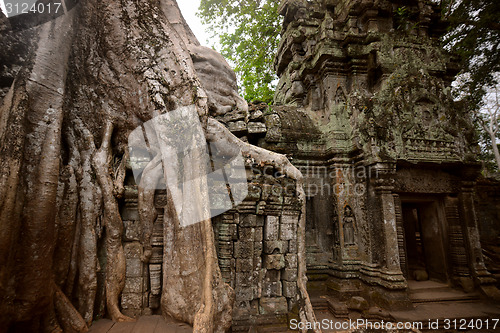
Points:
(423, 234)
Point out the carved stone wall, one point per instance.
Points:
(256, 245)
(364, 110)
(257, 248)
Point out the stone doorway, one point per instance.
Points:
(423, 224)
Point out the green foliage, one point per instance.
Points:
(474, 34)
(248, 33)
(404, 19)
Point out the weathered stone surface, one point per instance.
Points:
(133, 285)
(274, 261)
(244, 294)
(132, 230)
(134, 267)
(289, 289)
(243, 249)
(275, 247)
(273, 305)
(132, 250)
(244, 265)
(244, 279)
(271, 289)
(290, 274)
(251, 220)
(237, 126)
(131, 301)
(358, 303)
(271, 228)
(288, 231)
(254, 192)
(291, 260)
(256, 128)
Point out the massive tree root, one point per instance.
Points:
(92, 77)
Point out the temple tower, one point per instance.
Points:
(364, 109)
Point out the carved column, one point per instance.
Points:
(457, 248)
(471, 236)
(403, 260)
(384, 187)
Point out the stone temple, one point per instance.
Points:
(364, 109)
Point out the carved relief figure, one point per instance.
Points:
(335, 222)
(340, 97)
(348, 226)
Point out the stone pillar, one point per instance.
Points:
(470, 229)
(388, 285)
(384, 185)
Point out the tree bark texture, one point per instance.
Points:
(88, 78)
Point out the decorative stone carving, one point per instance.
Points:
(349, 226)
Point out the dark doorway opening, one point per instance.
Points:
(425, 256)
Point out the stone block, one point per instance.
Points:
(290, 260)
(133, 268)
(225, 263)
(258, 234)
(225, 249)
(243, 249)
(358, 303)
(244, 294)
(256, 115)
(251, 220)
(290, 219)
(154, 301)
(289, 274)
(289, 289)
(260, 208)
(292, 246)
(271, 289)
(266, 191)
(271, 228)
(246, 233)
(133, 285)
(234, 115)
(132, 313)
(257, 263)
(237, 126)
(131, 301)
(292, 304)
(254, 192)
(291, 200)
(132, 230)
(256, 128)
(245, 309)
(275, 247)
(273, 305)
(271, 275)
(132, 250)
(288, 231)
(274, 261)
(233, 231)
(244, 279)
(129, 214)
(257, 248)
(244, 265)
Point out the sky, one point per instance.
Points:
(189, 9)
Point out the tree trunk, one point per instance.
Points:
(89, 78)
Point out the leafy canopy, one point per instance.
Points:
(474, 34)
(248, 33)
